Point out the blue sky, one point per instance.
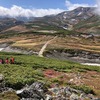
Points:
(45, 4)
(40, 8)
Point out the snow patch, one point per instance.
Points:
(19, 91)
(1, 49)
(64, 17)
(79, 13)
(65, 28)
(65, 13)
(91, 64)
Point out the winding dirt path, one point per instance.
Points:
(40, 54)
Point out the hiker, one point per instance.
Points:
(7, 61)
(12, 60)
(2, 61)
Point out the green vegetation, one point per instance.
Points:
(90, 25)
(29, 68)
(8, 35)
(42, 25)
(9, 96)
(83, 88)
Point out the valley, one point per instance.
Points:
(54, 55)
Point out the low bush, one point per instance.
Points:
(28, 69)
(84, 88)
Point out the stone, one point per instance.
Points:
(67, 91)
(74, 97)
(36, 91)
(1, 78)
(48, 97)
(82, 96)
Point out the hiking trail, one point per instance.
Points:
(40, 54)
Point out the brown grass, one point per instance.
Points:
(68, 42)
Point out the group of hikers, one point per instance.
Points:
(7, 61)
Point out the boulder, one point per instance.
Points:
(34, 92)
(74, 97)
(38, 91)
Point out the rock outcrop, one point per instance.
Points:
(39, 91)
(80, 56)
(34, 92)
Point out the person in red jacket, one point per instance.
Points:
(2, 61)
(7, 61)
(12, 60)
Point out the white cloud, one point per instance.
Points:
(97, 11)
(16, 11)
(71, 6)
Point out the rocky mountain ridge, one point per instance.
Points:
(78, 19)
(67, 18)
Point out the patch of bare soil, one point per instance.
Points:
(18, 28)
(92, 79)
(51, 73)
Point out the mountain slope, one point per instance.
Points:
(67, 18)
(6, 23)
(90, 25)
(81, 19)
